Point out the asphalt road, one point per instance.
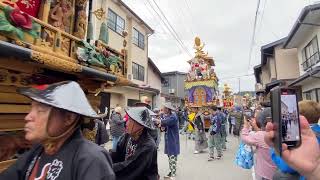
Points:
(196, 166)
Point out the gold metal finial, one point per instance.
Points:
(198, 46)
(99, 13)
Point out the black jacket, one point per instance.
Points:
(142, 165)
(117, 125)
(80, 158)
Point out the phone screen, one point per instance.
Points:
(289, 118)
(248, 113)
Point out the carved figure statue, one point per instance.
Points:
(197, 71)
(81, 24)
(60, 15)
(204, 69)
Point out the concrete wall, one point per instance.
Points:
(115, 39)
(272, 69)
(310, 85)
(180, 86)
(176, 81)
(138, 55)
(135, 54)
(265, 75)
(153, 78)
(287, 63)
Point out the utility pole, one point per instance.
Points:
(239, 84)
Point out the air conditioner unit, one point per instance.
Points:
(129, 76)
(171, 91)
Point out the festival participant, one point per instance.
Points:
(136, 152)
(117, 126)
(264, 167)
(172, 143)
(200, 134)
(223, 131)
(215, 137)
(60, 151)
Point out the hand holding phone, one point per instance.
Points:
(285, 117)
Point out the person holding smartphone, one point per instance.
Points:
(264, 167)
(310, 110)
(304, 158)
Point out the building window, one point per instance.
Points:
(166, 82)
(115, 22)
(308, 95)
(310, 54)
(312, 95)
(138, 71)
(138, 38)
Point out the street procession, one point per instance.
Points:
(150, 90)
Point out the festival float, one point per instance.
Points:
(201, 85)
(227, 97)
(49, 41)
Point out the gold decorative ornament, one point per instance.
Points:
(99, 13)
(82, 3)
(55, 63)
(122, 81)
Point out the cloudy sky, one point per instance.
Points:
(225, 26)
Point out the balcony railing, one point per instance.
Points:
(311, 61)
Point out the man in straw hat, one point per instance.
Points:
(53, 125)
(136, 152)
(172, 143)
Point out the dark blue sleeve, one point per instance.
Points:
(169, 121)
(219, 121)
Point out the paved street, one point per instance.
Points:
(196, 167)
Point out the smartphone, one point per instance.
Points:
(285, 117)
(248, 114)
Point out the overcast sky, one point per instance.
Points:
(226, 28)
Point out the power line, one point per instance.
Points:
(182, 18)
(191, 17)
(168, 28)
(253, 34)
(175, 34)
(262, 16)
(144, 2)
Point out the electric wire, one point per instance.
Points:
(253, 34)
(168, 28)
(172, 29)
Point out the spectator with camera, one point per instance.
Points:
(264, 167)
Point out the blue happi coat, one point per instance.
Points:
(171, 137)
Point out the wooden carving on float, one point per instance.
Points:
(81, 22)
(199, 97)
(60, 15)
(81, 25)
